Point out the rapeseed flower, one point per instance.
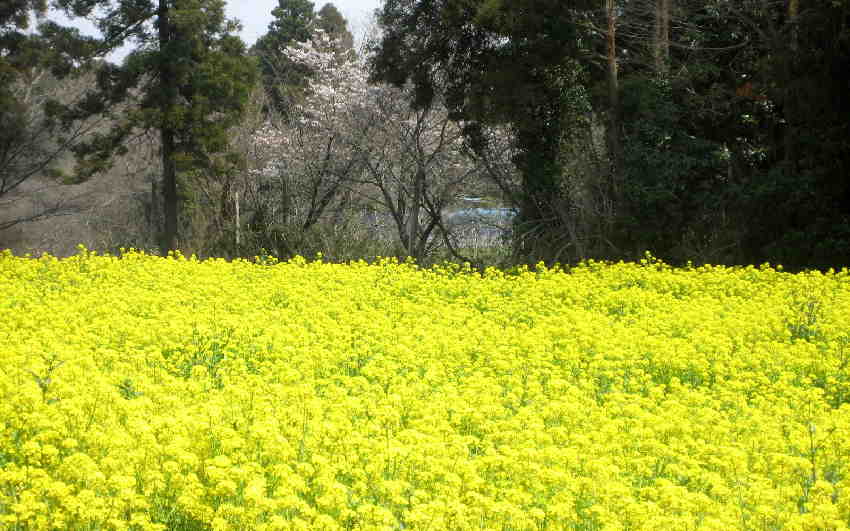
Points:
(305, 395)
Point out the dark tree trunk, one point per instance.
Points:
(413, 216)
(661, 46)
(168, 81)
(615, 146)
(169, 191)
(791, 93)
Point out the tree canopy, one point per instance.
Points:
(293, 24)
(725, 134)
(331, 21)
(188, 79)
(36, 55)
(496, 62)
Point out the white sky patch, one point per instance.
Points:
(255, 16)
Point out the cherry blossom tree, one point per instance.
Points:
(303, 164)
(354, 147)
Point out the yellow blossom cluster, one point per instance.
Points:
(148, 393)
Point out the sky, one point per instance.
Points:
(255, 16)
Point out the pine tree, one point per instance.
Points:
(31, 60)
(188, 79)
(285, 81)
(331, 21)
(18, 54)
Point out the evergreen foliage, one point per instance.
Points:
(189, 79)
(34, 52)
(496, 62)
(725, 122)
(331, 21)
(704, 131)
(293, 24)
(284, 80)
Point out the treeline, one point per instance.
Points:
(705, 131)
(702, 130)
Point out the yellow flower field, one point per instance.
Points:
(170, 393)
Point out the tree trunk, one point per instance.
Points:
(661, 44)
(793, 19)
(413, 215)
(791, 93)
(167, 134)
(615, 147)
(169, 190)
(238, 223)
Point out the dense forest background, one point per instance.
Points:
(490, 131)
